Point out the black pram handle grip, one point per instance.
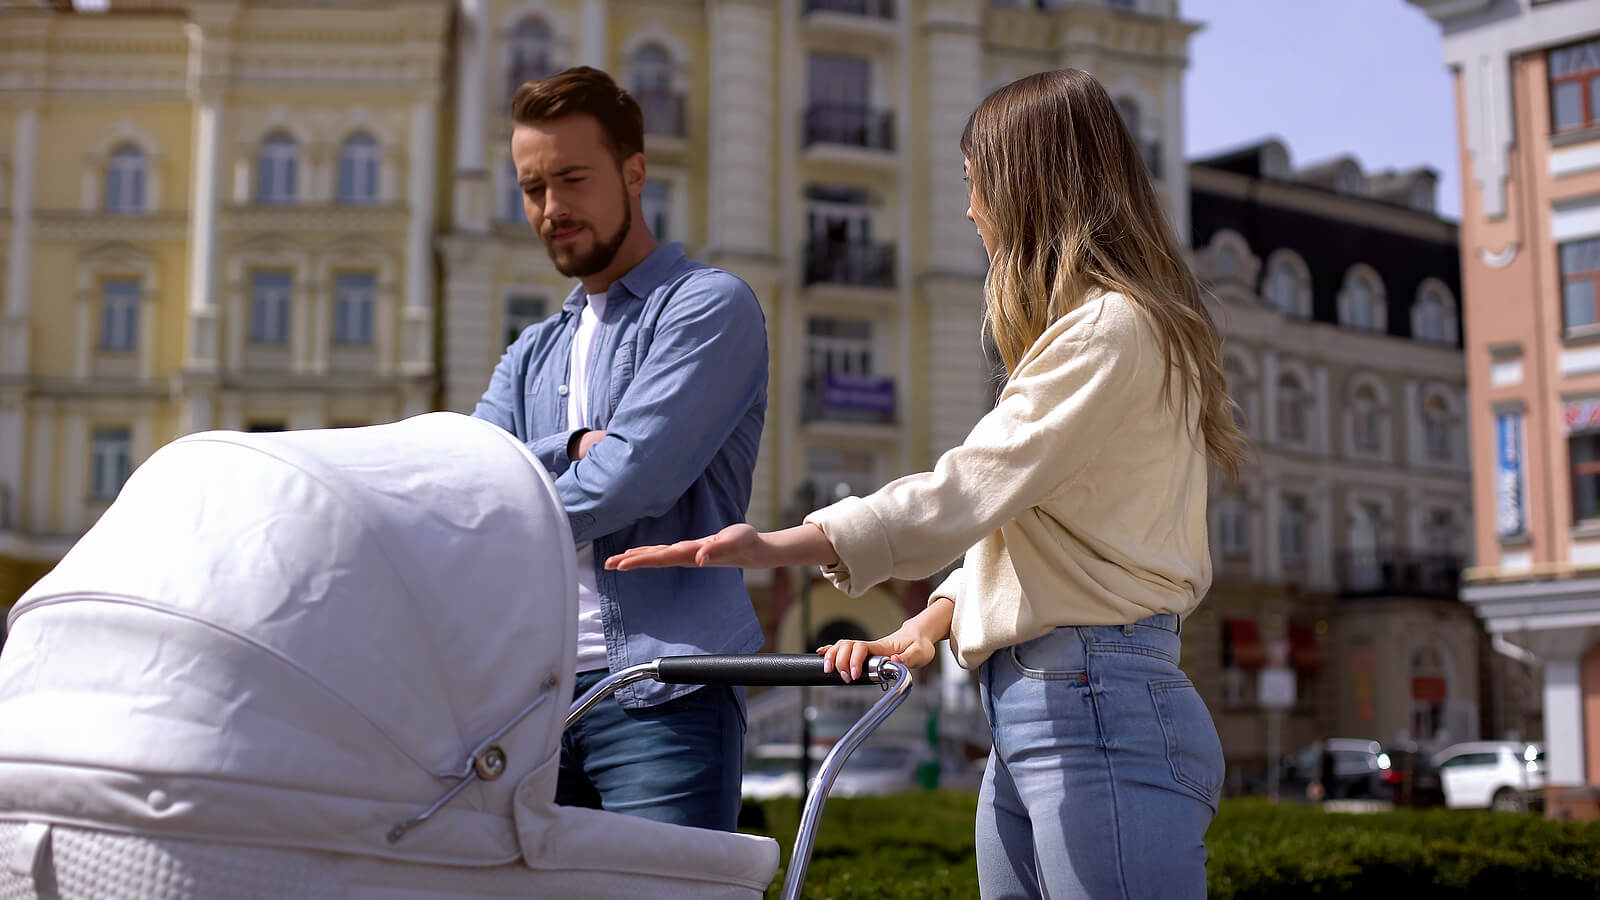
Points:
(777, 669)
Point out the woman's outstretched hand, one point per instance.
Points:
(737, 546)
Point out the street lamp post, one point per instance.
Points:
(805, 691)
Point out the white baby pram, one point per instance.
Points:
(337, 663)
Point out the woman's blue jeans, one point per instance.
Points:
(1105, 772)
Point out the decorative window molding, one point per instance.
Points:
(1286, 286)
(1363, 304)
(115, 262)
(1368, 418)
(1434, 316)
(98, 163)
(360, 170)
(1227, 259)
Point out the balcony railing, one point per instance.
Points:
(835, 397)
(872, 9)
(849, 125)
(663, 112)
(843, 262)
(1399, 573)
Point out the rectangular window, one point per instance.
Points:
(1292, 531)
(111, 459)
(119, 314)
(1441, 532)
(1575, 86)
(656, 198)
(1292, 403)
(1436, 435)
(1231, 525)
(352, 308)
(1584, 450)
(513, 211)
(1580, 282)
(838, 346)
(522, 311)
(270, 294)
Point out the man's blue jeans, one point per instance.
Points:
(680, 762)
(1106, 768)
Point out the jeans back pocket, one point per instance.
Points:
(1194, 750)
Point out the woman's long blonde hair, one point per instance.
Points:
(1068, 201)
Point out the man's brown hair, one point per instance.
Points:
(584, 90)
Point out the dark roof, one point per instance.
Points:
(1330, 245)
(1245, 160)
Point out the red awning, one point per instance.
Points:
(1304, 654)
(1244, 643)
(1428, 689)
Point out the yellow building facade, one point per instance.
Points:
(215, 215)
(225, 214)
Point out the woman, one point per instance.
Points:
(1080, 505)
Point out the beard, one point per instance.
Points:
(598, 257)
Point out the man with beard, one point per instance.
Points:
(644, 397)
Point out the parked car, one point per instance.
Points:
(873, 769)
(1507, 776)
(1410, 775)
(1332, 769)
(773, 770)
(876, 770)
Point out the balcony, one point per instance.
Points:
(849, 125)
(663, 113)
(871, 9)
(858, 399)
(852, 264)
(1398, 573)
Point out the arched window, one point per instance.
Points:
(659, 101)
(125, 179)
(1362, 306)
(1287, 285)
(358, 170)
(277, 169)
(531, 57)
(1433, 318)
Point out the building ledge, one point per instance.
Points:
(1488, 575)
(1579, 136)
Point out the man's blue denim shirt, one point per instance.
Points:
(678, 381)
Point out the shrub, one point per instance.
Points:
(920, 845)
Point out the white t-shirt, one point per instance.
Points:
(591, 629)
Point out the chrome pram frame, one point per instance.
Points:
(775, 670)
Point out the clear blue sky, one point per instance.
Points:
(1363, 77)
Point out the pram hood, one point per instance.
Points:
(301, 639)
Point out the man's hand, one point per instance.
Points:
(587, 440)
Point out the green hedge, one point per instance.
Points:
(919, 845)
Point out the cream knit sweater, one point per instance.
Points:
(1079, 500)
